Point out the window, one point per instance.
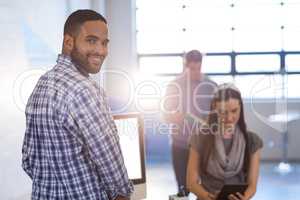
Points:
(290, 13)
(260, 86)
(208, 26)
(254, 38)
(159, 26)
(291, 31)
(213, 39)
(222, 79)
(258, 13)
(150, 90)
(161, 65)
(292, 62)
(292, 86)
(291, 39)
(216, 64)
(254, 63)
(254, 43)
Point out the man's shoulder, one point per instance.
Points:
(179, 80)
(175, 85)
(70, 80)
(209, 80)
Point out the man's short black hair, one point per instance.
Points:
(77, 18)
(193, 56)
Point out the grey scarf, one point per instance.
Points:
(222, 166)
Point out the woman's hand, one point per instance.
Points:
(237, 196)
(210, 196)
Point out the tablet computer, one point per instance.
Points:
(231, 189)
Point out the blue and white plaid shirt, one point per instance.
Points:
(71, 147)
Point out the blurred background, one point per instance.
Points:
(253, 43)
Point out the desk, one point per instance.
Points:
(283, 119)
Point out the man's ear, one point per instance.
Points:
(68, 44)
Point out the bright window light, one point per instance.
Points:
(222, 79)
(254, 63)
(208, 40)
(290, 13)
(159, 26)
(292, 86)
(291, 39)
(150, 90)
(257, 13)
(255, 38)
(151, 42)
(162, 65)
(216, 64)
(199, 14)
(260, 86)
(292, 62)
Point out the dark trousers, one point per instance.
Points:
(180, 159)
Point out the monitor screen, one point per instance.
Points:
(130, 130)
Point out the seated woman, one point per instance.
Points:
(224, 152)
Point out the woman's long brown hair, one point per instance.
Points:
(209, 143)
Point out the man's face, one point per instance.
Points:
(194, 70)
(90, 46)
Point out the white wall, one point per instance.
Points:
(20, 21)
(30, 37)
(122, 57)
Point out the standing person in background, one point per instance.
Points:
(191, 92)
(71, 146)
(225, 152)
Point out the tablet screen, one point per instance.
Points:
(231, 189)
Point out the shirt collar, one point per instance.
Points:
(66, 60)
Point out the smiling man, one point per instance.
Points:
(71, 147)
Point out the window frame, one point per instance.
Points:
(233, 72)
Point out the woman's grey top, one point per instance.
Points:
(210, 183)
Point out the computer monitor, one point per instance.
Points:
(131, 132)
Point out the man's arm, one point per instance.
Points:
(26, 148)
(174, 118)
(100, 135)
(171, 111)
